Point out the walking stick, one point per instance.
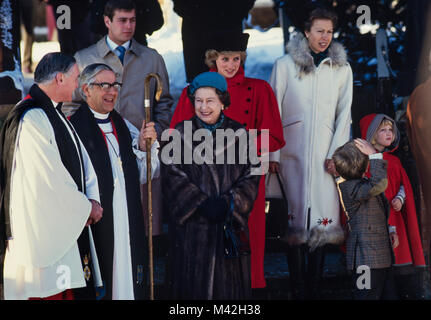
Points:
(149, 193)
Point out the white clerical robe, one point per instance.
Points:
(122, 278)
(47, 212)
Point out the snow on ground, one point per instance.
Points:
(263, 49)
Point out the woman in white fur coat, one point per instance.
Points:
(313, 84)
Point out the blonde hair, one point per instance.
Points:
(383, 123)
(211, 56)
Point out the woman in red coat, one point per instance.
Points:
(254, 105)
(381, 131)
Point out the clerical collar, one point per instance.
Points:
(318, 57)
(101, 117)
(112, 45)
(212, 127)
(54, 103)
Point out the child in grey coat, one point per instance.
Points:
(369, 243)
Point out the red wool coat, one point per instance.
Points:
(409, 250)
(254, 105)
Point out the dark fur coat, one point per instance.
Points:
(198, 267)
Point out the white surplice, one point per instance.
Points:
(122, 278)
(47, 212)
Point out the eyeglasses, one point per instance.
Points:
(106, 85)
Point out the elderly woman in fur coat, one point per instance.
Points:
(313, 85)
(253, 104)
(209, 199)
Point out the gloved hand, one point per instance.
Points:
(214, 209)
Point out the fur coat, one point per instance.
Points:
(315, 112)
(198, 267)
(253, 104)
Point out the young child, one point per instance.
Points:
(381, 131)
(368, 244)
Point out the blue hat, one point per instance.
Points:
(208, 79)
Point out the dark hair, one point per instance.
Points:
(112, 5)
(321, 13)
(51, 64)
(223, 96)
(349, 161)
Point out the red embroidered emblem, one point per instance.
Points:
(324, 221)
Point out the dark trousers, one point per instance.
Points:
(306, 271)
(26, 11)
(382, 285)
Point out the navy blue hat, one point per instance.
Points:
(208, 79)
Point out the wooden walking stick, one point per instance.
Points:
(149, 193)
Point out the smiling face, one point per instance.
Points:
(207, 105)
(100, 100)
(228, 64)
(320, 35)
(384, 136)
(122, 27)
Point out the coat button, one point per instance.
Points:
(248, 99)
(245, 124)
(246, 111)
(249, 88)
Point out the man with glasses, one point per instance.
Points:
(132, 62)
(118, 152)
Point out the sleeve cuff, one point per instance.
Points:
(274, 156)
(376, 156)
(155, 163)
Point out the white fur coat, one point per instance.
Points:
(315, 111)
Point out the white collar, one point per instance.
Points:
(112, 45)
(54, 103)
(101, 116)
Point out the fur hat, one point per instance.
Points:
(230, 41)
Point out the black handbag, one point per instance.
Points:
(276, 211)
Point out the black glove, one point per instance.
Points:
(214, 209)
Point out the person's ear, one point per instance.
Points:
(86, 90)
(107, 21)
(59, 78)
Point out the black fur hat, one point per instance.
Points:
(229, 41)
